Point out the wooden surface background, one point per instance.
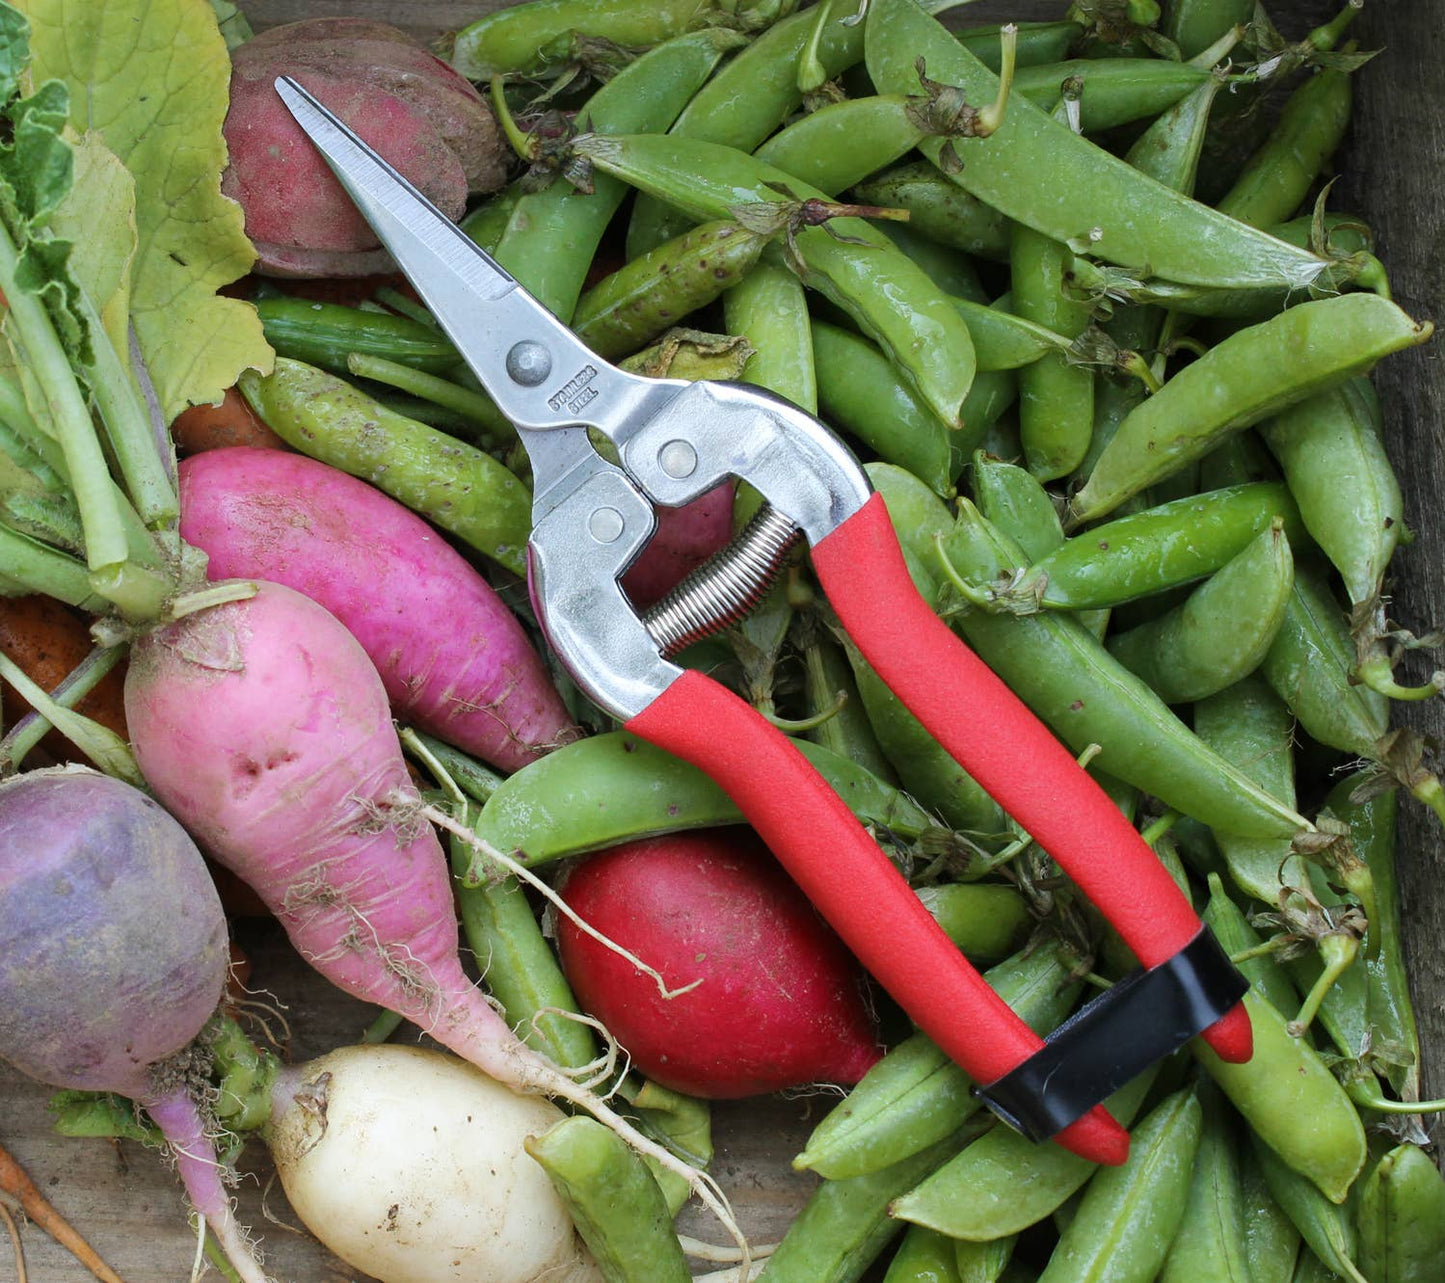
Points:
(1393, 171)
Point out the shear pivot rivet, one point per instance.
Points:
(528, 363)
(605, 525)
(678, 459)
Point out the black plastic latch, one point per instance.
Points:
(1141, 1019)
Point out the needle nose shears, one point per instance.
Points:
(591, 517)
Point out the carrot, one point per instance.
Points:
(209, 427)
(16, 1182)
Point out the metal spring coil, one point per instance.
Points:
(725, 588)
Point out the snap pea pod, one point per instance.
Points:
(923, 1257)
(987, 921)
(1250, 375)
(890, 299)
(1401, 1217)
(949, 269)
(1278, 177)
(452, 484)
(1283, 1082)
(1113, 91)
(1326, 1226)
(1038, 172)
(617, 1207)
(486, 223)
(861, 393)
(1056, 396)
(612, 787)
(1390, 1012)
(1222, 630)
(769, 309)
(844, 1226)
(531, 38)
(1271, 1242)
(1310, 1269)
(1038, 42)
(939, 209)
(1336, 468)
(1129, 1214)
(1003, 1183)
(832, 695)
(1231, 928)
(324, 334)
(1309, 666)
(1194, 25)
(1004, 339)
(915, 1095)
(1249, 724)
(1210, 1243)
(552, 234)
(981, 1262)
(1085, 696)
(1237, 461)
(633, 305)
(1159, 548)
(1013, 501)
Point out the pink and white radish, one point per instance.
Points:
(454, 659)
(409, 1164)
(782, 1002)
(113, 957)
(263, 727)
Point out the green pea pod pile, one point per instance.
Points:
(1132, 452)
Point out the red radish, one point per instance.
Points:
(454, 659)
(781, 1003)
(685, 538)
(263, 727)
(113, 957)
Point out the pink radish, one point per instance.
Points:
(263, 727)
(781, 1003)
(113, 957)
(685, 538)
(454, 659)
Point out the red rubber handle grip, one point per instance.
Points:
(993, 735)
(854, 887)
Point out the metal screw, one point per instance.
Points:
(528, 363)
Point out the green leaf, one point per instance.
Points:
(14, 50)
(151, 77)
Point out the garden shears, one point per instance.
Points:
(675, 440)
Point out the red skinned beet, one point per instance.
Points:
(781, 1003)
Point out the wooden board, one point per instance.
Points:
(1394, 173)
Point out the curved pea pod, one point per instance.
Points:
(1252, 374)
(613, 787)
(533, 38)
(923, 1257)
(616, 1205)
(1129, 1214)
(982, 1262)
(1326, 1226)
(1283, 1083)
(1114, 91)
(1158, 548)
(487, 221)
(1194, 25)
(843, 142)
(986, 921)
(1210, 1242)
(452, 484)
(887, 295)
(1401, 1217)
(1222, 630)
(1016, 504)
(1336, 467)
(860, 392)
(552, 234)
(769, 309)
(1249, 724)
(1003, 1182)
(1037, 171)
(939, 210)
(915, 1095)
(1278, 177)
(1271, 1242)
(632, 306)
(1309, 666)
(844, 1226)
(832, 696)
(918, 515)
(949, 269)
(1087, 697)
(325, 334)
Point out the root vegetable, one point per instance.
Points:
(454, 659)
(781, 1001)
(409, 1165)
(685, 538)
(112, 959)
